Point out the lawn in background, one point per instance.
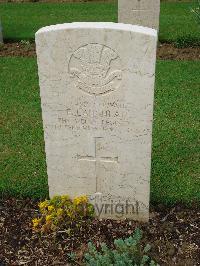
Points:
(21, 21)
(22, 163)
(175, 166)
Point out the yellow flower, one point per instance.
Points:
(50, 208)
(70, 213)
(36, 222)
(43, 205)
(48, 218)
(59, 212)
(76, 201)
(84, 199)
(60, 209)
(65, 199)
(81, 199)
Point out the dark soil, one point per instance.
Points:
(165, 51)
(173, 233)
(18, 49)
(168, 51)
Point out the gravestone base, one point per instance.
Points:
(107, 207)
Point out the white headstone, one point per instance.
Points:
(97, 90)
(139, 12)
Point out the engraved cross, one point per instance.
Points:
(97, 159)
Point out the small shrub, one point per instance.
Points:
(127, 252)
(62, 213)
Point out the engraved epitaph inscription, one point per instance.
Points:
(95, 69)
(96, 87)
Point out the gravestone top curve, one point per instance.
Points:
(99, 25)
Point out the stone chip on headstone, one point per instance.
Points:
(139, 12)
(97, 91)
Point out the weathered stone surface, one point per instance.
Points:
(139, 12)
(97, 89)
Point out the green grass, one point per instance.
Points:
(22, 169)
(178, 22)
(176, 149)
(175, 166)
(21, 21)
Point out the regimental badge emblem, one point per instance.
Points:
(95, 69)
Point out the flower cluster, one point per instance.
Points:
(61, 212)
